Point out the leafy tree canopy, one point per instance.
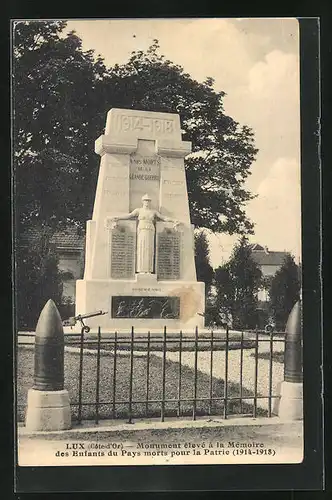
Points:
(58, 107)
(61, 97)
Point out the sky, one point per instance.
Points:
(256, 62)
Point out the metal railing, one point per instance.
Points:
(138, 377)
(216, 373)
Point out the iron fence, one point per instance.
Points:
(174, 388)
(131, 376)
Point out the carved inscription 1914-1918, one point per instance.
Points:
(153, 126)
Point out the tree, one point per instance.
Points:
(38, 279)
(284, 291)
(54, 87)
(58, 108)
(61, 95)
(237, 284)
(223, 151)
(204, 269)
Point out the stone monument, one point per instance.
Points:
(139, 256)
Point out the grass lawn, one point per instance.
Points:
(139, 387)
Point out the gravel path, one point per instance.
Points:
(234, 362)
(248, 373)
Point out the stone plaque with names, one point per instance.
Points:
(169, 254)
(123, 248)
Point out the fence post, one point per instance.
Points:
(291, 394)
(48, 406)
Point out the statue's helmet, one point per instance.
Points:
(146, 197)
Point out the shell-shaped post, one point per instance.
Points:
(293, 346)
(49, 350)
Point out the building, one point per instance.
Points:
(269, 263)
(69, 246)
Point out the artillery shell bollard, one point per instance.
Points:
(291, 394)
(48, 407)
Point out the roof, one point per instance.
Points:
(256, 246)
(69, 239)
(264, 257)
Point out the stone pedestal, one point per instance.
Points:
(290, 406)
(143, 303)
(48, 411)
(141, 152)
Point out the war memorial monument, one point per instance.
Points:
(139, 255)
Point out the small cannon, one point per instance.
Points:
(80, 317)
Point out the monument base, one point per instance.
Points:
(48, 411)
(144, 303)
